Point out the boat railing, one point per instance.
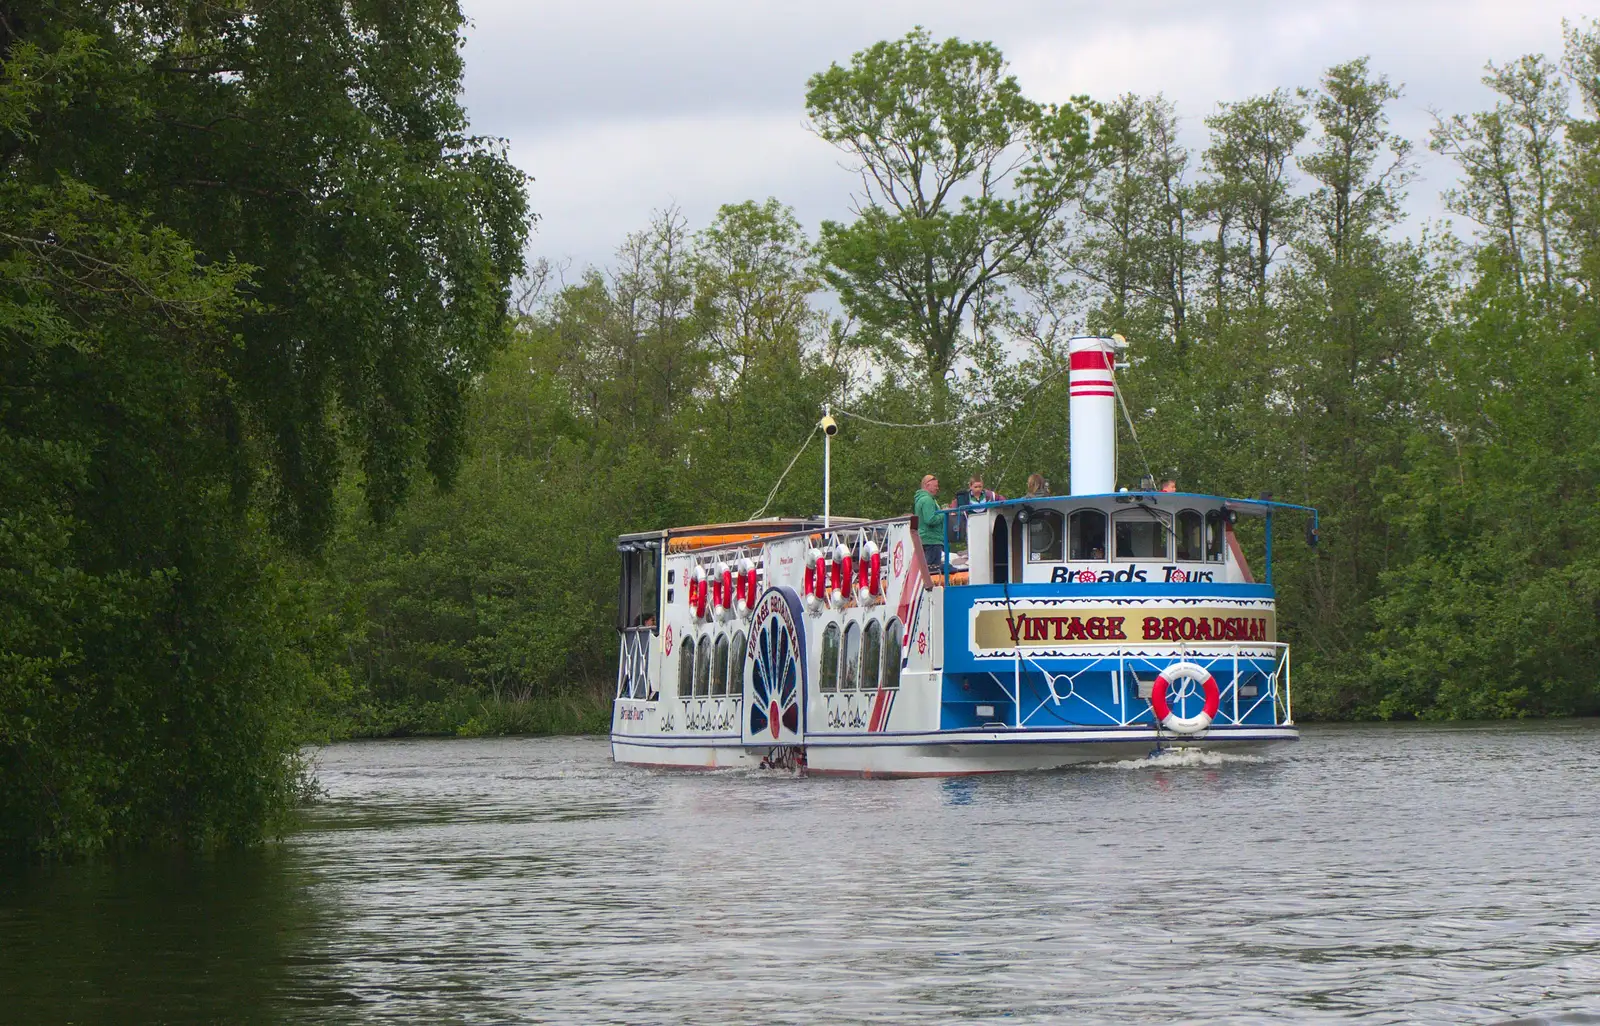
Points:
(1236, 669)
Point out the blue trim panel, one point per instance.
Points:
(1111, 591)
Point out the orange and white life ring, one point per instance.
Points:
(1165, 715)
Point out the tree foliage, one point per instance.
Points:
(237, 244)
(963, 181)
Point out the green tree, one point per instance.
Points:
(964, 182)
(235, 242)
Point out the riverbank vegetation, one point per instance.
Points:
(287, 455)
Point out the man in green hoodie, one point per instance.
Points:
(930, 522)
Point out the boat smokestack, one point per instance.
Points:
(1092, 406)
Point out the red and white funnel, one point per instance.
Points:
(1093, 415)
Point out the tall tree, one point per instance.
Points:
(1250, 185)
(1137, 215)
(1511, 157)
(964, 181)
(237, 241)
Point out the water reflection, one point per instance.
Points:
(154, 939)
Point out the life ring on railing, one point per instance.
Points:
(1170, 720)
(843, 577)
(698, 587)
(867, 574)
(724, 593)
(745, 594)
(816, 579)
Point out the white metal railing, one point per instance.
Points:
(1239, 665)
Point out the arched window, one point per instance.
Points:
(1141, 534)
(1045, 536)
(686, 668)
(702, 667)
(828, 671)
(1086, 535)
(871, 655)
(719, 668)
(1190, 528)
(736, 655)
(891, 655)
(850, 661)
(1216, 536)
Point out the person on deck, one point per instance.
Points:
(974, 493)
(930, 522)
(1037, 486)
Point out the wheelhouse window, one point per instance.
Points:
(638, 593)
(736, 653)
(891, 655)
(686, 668)
(1045, 536)
(719, 668)
(1216, 536)
(1191, 527)
(1086, 535)
(850, 663)
(828, 672)
(702, 667)
(1141, 534)
(871, 656)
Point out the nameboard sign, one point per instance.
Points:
(1054, 626)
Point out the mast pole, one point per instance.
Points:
(827, 466)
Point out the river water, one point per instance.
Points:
(1373, 874)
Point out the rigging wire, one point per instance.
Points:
(773, 494)
(1122, 402)
(1128, 417)
(889, 424)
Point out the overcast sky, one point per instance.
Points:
(619, 107)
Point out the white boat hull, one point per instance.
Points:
(938, 754)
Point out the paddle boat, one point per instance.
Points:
(1104, 624)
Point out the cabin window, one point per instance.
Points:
(686, 668)
(719, 668)
(891, 656)
(1216, 536)
(736, 655)
(1045, 536)
(638, 592)
(1141, 534)
(828, 672)
(1000, 551)
(1086, 534)
(850, 663)
(702, 667)
(1190, 529)
(871, 656)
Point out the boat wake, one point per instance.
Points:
(1180, 758)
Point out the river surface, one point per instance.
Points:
(1372, 874)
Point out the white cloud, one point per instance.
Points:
(618, 107)
(596, 183)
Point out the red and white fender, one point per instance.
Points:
(1165, 715)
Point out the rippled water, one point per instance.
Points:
(1386, 874)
